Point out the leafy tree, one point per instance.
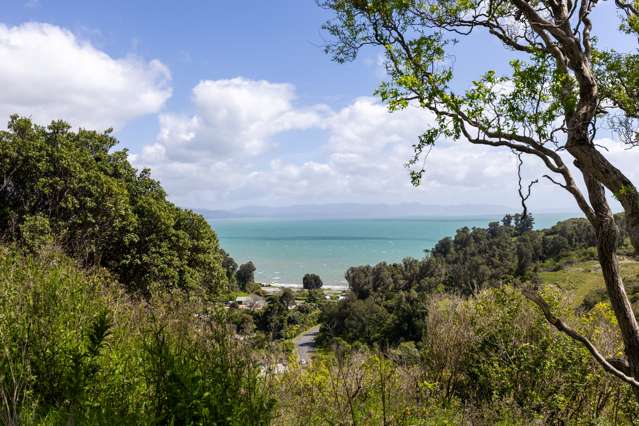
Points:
(312, 282)
(274, 318)
(71, 186)
(466, 264)
(315, 297)
(287, 297)
(521, 223)
(230, 266)
(245, 275)
(559, 88)
(355, 320)
(35, 233)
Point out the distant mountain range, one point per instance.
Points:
(360, 211)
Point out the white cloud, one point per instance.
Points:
(47, 73)
(209, 157)
(230, 153)
(234, 117)
(227, 154)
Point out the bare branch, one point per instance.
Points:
(543, 153)
(523, 197)
(555, 182)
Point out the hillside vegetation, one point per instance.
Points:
(75, 349)
(111, 313)
(387, 303)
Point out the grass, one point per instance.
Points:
(583, 277)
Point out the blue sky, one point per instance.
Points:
(278, 41)
(235, 103)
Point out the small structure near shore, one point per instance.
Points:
(252, 301)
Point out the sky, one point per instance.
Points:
(235, 103)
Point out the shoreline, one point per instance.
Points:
(333, 287)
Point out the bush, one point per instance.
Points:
(504, 355)
(35, 233)
(487, 360)
(74, 349)
(312, 282)
(75, 187)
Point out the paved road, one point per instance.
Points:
(305, 344)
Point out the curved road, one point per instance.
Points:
(305, 344)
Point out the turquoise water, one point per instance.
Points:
(283, 250)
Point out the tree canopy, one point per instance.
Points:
(101, 210)
(245, 275)
(388, 301)
(312, 282)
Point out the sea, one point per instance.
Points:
(283, 250)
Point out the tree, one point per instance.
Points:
(245, 275)
(75, 188)
(312, 282)
(230, 266)
(274, 317)
(287, 297)
(549, 106)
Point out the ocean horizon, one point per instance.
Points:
(284, 249)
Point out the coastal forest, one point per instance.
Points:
(119, 307)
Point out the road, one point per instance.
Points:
(305, 344)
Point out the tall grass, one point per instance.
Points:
(75, 349)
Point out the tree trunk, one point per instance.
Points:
(607, 233)
(606, 250)
(591, 160)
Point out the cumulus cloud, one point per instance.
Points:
(227, 153)
(367, 141)
(47, 73)
(231, 153)
(216, 151)
(236, 116)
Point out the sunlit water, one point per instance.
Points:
(283, 250)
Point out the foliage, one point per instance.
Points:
(388, 302)
(283, 318)
(489, 359)
(312, 282)
(230, 267)
(548, 106)
(245, 275)
(74, 349)
(35, 233)
(73, 186)
(598, 295)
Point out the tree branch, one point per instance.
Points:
(534, 297)
(523, 197)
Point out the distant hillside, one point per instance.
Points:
(353, 210)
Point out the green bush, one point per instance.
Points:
(74, 186)
(502, 355)
(35, 233)
(75, 349)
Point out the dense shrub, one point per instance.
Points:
(387, 304)
(75, 349)
(72, 185)
(485, 360)
(312, 282)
